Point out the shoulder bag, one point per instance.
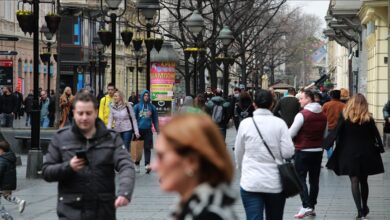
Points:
(291, 184)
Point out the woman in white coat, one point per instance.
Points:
(260, 181)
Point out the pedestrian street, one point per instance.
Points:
(334, 202)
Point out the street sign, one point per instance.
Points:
(9, 52)
(8, 38)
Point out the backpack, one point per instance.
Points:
(217, 114)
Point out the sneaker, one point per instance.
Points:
(148, 169)
(303, 212)
(22, 205)
(137, 169)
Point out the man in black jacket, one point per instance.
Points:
(287, 107)
(28, 102)
(8, 107)
(86, 182)
(386, 127)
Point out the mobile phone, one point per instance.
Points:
(82, 154)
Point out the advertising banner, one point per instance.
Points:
(162, 81)
(6, 73)
(162, 77)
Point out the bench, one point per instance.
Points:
(26, 138)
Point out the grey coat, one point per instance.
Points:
(119, 116)
(89, 193)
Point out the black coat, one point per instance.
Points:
(358, 149)
(91, 189)
(8, 103)
(287, 108)
(8, 171)
(28, 103)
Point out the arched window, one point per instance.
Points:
(20, 68)
(25, 66)
(31, 66)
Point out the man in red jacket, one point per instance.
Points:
(308, 131)
(332, 110)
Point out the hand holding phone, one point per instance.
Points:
(82, 154)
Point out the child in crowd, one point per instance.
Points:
(8, 175)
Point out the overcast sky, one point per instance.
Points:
(316, 7)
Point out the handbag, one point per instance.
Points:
(136, 149)
(291, 184)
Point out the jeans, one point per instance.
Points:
(147, 136)
(126, 137)
(45, 122)
(8, 120)
(28, 116)
(329, 152)
(256, 202)
(309, 163)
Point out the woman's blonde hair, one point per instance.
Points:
(121, 97)
(356, 109)
(67, 88)
(197, 135)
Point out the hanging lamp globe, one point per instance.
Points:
(148, 8)
(113, 4)
(226, 36)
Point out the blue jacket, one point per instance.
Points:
(140, 110)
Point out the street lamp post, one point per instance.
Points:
(113, 5)
(99, 47)
(35, 157)
(49, 37)
(226, 37)
(195, 24)
(138, 55)
(149, 9)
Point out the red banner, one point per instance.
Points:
(6, 63)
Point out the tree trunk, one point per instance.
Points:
(187, 76)
(243, 70)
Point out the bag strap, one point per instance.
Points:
(265, 143)
(131, 121)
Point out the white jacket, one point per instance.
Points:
(259, 172)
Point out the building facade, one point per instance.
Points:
(22, 63)
(362, 29)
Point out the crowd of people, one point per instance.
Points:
(191, 159)
(13, 107)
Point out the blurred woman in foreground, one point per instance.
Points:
(192, 160)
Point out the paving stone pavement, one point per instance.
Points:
(149, 203)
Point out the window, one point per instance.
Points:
(20, 68)
(370, 28)
(77, 32)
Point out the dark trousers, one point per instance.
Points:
(309, 163)
(223, 132)
(8, 120)
(255, 203)
(147, 136)
(28, 116)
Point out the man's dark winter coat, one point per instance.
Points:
(28, 102)
(89, 194)
(8, 171)
(287, 108)
(8, 103)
